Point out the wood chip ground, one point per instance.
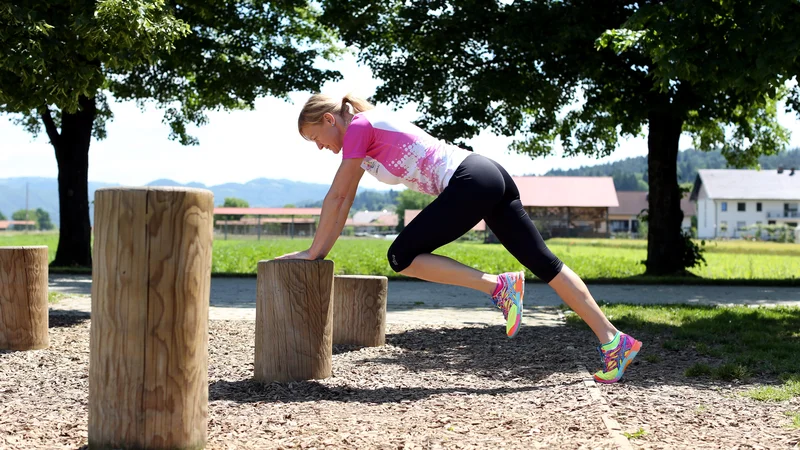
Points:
(465, 387)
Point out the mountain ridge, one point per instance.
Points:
(264, 192)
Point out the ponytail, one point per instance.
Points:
(357, 104)
(318, 104)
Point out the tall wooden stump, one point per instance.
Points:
(294, 312)
(23, 298)
(148, 367)
(359, 311)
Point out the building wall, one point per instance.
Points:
(711, 217)
(706, 220)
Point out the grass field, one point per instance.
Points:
(735, 343)
(598, 260)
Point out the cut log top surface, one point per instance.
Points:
(155, 189)
(363, 277)
(296, 261)
(24, 247)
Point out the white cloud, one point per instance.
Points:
(243, 145)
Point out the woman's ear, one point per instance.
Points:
(330, 119)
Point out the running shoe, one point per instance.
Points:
(508, 297)
(616, 357)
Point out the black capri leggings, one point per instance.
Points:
(479, 189)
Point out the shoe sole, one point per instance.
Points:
(637, 345)
(517, 317)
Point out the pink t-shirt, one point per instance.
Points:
(396, 151)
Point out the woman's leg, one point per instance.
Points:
(573, 291)
(518, 234)
(441, 269)
(483, 189)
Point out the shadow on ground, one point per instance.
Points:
(67, 318)
(504, 365)
(249, 391)
(745, 344)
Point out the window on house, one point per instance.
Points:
(723, 226)
(618, 226)
(724, 206)
(741, 225)
(758, 207)
(741, 206)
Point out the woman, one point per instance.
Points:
(468, 187)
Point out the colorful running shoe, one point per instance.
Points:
(508, 297)
(616, 356)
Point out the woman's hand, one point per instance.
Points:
(305, 254)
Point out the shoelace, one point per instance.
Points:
(506, 306)
(504, 301)
(609, 358)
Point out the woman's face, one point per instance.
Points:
(325, 134)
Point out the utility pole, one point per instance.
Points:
(27, 211)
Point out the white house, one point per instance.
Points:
(729, 200)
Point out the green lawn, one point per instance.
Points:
(740, 342)
(596, 260)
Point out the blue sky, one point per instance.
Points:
(243, 145)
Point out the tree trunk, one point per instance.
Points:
(665, 245)
(72, 154)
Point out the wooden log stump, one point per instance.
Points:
(148, 364)
(294, 314)
(23, 298)
(359, 310)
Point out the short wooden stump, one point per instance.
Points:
(359, 311)
(294, 312)
(23, 298)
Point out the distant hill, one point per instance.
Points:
(367, 200)
(630, 174)
(43, 193)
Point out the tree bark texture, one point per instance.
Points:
(72, 155)
(665, 246)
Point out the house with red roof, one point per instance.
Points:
(17, 225)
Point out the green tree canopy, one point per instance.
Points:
(38, 215)
(2, 217)
(233, 202)
(43, 219)
(627, 181)
(583, 73)
(61, 58)
(23, 214)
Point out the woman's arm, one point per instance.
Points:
(336, 207)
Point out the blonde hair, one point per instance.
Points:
(318, 104)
